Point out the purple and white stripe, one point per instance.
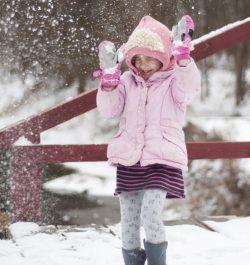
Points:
(155, 176)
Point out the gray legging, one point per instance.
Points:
(146, 207)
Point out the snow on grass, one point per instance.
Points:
(235, 229)
(96, 178)
(24, 229)
(187, 245)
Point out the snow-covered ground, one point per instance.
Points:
(187, 244)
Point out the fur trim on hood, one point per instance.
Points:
(150, 38)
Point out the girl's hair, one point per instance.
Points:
(133, 60)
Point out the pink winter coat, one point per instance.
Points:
(152, 115)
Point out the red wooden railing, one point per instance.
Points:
(25, 170)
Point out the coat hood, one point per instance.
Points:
(150, 38)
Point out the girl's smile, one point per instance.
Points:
(146, 66)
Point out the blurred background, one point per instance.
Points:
(48, 51)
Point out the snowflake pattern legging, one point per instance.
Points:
(142, 207)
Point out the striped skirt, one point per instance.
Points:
(155, 176)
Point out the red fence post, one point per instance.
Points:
(25, 189)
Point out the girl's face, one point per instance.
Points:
(146, 66)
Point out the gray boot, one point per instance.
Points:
(156, 253)
(134, 256)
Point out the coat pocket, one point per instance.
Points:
(173, 145)
(120, 146)
(121, 128)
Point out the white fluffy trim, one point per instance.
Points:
(144, 38)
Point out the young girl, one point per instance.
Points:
(149, 148)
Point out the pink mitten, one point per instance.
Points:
(182, 35)
(109, 66)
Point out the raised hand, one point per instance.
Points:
(182, 35)
(109, 65)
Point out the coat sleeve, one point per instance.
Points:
(110, 104)
(186, 84)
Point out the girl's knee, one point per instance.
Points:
(152, 220)
(154, 229)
